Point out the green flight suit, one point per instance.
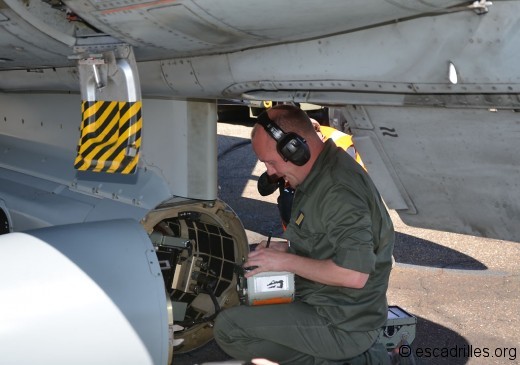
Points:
(337, 214)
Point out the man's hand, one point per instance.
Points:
(264, 259)
(282, 246)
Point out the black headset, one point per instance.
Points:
(290, 146)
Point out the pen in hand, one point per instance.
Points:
(269, 239)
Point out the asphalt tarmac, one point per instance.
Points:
(463, 290)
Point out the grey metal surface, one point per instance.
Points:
(190, 28)
(392, 58)
(85, 293)
(453, 168)
(303, 62)
(39, 133)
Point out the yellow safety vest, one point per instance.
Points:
(341, 140)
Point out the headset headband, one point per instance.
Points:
(271, 127)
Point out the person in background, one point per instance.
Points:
(340, 139)
(338, 243)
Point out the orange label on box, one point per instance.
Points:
(272, 301)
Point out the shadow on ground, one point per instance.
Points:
(236, 164)
(416, 251)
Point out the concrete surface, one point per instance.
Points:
(463, 290)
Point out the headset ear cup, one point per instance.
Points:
(294, 148)
(290, 146)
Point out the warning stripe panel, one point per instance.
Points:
(110, 137)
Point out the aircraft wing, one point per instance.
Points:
(41, 33)
(108, 114)
(429, 90)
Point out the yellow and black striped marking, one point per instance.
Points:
(110, 136)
